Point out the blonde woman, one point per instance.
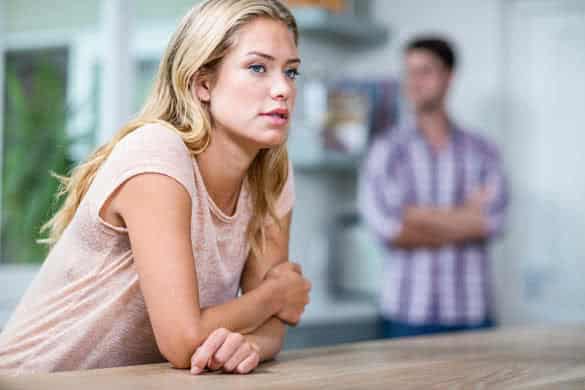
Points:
(186, 205)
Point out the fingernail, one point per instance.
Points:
(196, 370)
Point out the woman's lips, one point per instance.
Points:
(276, 119)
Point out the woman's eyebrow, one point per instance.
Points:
(271, 58)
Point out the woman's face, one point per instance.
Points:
(253, 93)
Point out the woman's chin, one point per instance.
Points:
(272, 141)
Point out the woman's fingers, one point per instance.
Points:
(238, 357)
(228, 350)
(249, 364)
(284, 267)
(206, 350)
(231, 345)
(296, 267)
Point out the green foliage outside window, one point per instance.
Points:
(35, 143)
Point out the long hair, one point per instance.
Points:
(201, 41)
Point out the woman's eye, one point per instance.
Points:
(257, 68)
(292, 73)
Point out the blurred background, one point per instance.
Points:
(72, 72)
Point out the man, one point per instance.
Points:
(435, 195)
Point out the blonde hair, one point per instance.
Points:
(200, 42)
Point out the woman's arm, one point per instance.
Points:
(156, 209)
(270, 336)
(233, 352)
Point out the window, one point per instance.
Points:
(146, 70)
(35, 142)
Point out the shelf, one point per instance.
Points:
(342, 29)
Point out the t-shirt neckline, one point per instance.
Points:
(212, 206)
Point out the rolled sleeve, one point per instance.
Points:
(493, 178)
(380, 197)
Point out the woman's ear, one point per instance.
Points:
(201, 88)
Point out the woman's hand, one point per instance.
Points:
(229, 351)
(293, 289)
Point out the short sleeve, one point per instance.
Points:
(380, 190)
(149, 149)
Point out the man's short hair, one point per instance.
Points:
(439, 47)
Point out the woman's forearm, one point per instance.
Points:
(269, 338)
(243, 314)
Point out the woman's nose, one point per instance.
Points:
(281, 88)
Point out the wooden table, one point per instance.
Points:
(518, 358)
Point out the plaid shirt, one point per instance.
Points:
(449, 285)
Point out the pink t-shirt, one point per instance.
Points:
(85, 308)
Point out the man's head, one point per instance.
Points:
(429, 65)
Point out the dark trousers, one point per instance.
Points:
(392, 329)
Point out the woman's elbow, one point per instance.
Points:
(273, 349)
(179, 348)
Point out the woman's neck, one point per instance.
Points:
(223, 166)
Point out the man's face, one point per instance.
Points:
(427, 80)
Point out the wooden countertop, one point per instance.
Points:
(518, 358)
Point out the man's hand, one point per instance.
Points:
(479, 198)
(434, 227)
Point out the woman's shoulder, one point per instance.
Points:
(150, 148)
(154, 135)
(153, 143)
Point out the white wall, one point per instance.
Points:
(545, 98)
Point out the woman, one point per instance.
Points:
(186, 205)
